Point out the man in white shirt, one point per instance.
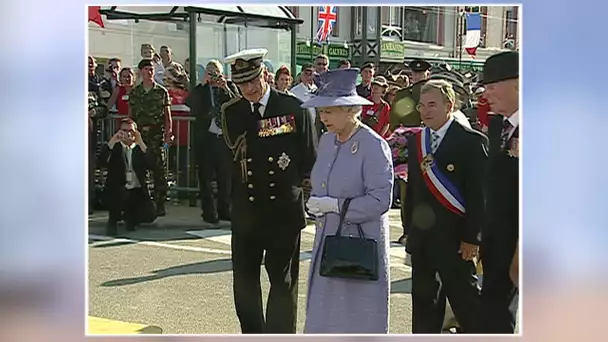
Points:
(306, 88)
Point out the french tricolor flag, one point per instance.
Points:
(473, 36)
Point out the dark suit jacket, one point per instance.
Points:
(269, 196)
(462, 157)
(200, 104)
(501, 233)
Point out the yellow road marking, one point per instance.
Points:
(103, 326)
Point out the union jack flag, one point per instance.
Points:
(328, 16)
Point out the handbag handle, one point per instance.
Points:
(343, 215)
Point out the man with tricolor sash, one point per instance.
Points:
(445, 211)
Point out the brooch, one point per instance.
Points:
(283, 161)
(427, 163)
(355, 147)
(514, 150)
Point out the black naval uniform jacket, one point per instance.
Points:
(267, 180)
(461, 156)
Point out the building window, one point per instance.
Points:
(358, 21)
(335, 32)
(392, 21)
(421, 24)
(510, 40)
(295, 10)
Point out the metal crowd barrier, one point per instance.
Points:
(181, 162)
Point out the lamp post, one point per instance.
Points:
(461, 28)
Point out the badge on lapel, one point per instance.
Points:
(450, 167)
(283, 161)
(514, 148)
(277, 126)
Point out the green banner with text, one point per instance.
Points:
(392, 51)
(333, 51)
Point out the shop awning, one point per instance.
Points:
(261, 16)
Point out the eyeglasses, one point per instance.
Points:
(321, 64)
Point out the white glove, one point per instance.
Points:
(319, 206)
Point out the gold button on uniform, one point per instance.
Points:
(270, 159)
(272, 197)
(249, 173)
(271, 185)
(250, 186)
(271, 172)
(251, 199)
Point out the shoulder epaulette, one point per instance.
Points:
(230, 103)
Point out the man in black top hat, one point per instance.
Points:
(274, 149)
(501, 233)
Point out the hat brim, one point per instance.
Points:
(323, 101)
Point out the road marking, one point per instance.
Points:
(103, 326)
(162, 245)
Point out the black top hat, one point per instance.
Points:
(501, 67)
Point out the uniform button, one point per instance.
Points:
(271, 172)
(270, 159)
(249, 160)
(272, 197)
(250, 186)
(271, 185)
(251, 199)
(249, 173)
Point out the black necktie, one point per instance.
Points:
(256, 110)
(217, 114)
(506, 130)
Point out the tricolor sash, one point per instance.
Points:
(440, 186)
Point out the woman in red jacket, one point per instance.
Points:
(377, 115)
(120, 97)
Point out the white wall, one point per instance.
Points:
(495, 27)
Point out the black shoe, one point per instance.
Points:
(161, 211)
(112, 228)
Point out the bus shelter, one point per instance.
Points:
(212, 32)
(221, 30)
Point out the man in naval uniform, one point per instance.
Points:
(403, 109)
(274, 149)
(499, 238)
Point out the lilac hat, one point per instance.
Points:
(337, 88)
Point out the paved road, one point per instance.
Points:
(175, 275)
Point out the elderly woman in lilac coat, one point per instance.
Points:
(352, 162)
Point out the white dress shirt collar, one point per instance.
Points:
(263, 101)
(514, 119)
(443, 129)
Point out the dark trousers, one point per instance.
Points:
(178, 164)
(92, 163)
(282, 263)
(134, 206)
(402, 198)
(499, 296)
(214, 162)
(457, 282)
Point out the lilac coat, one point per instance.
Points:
(361, 169)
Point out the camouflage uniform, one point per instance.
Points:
(148, 111)
(99, 112)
